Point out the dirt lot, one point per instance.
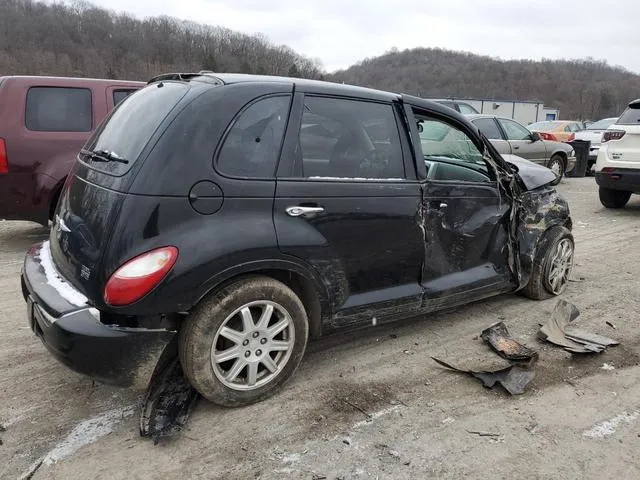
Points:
(363, 405)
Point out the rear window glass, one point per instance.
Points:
(56, 109)
(252, 146)
(602, 124)
(119, 95)
(132, 123)
(631, 116)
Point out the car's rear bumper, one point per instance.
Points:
(626, 179)
(77, 338)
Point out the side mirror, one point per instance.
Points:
(535, 136)
(420, 129)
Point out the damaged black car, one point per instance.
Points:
(225, 220)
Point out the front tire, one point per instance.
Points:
(241, 344)
(552, 265)
(557, 165)
(613, 198)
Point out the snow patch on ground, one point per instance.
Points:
(88, 432)
(66, 290)
(608, 427)
(607, 366)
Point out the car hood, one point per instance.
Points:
(532, 175)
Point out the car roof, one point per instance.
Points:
(475, 116)
(320, 85)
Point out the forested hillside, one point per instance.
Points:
(79, 39)
(581, 89)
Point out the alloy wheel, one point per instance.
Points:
(561, 265)
(253, 345)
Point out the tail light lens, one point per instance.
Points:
(4, 162)
(571, 138)
(548, 136)
(139, 276)
(612, 135)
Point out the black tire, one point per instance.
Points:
(557, 160)
(539, 286)
(202, 327)
(614, 198)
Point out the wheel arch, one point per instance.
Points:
(304, 282)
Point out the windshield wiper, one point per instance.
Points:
(103, 156)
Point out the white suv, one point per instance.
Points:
(618, 164)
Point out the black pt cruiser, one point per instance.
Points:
(235, 217)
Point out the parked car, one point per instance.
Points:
(510, 137)
(593, 133)
(457, 105)
(618, 164)
(44, 121)
(557, 130)
(233, 217)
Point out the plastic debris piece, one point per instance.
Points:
(513, 378)
(558, 332)
(498, 337)
(168, 402)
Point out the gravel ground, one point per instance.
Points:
(369, 404)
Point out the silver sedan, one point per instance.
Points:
(511, 138)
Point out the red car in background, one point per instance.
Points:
(44, 122)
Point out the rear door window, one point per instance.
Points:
(58, 109)
(489, 128)
(252, 147)
(119, 95)
(466, 109)
(631, 116)
(514, 131)
(349, 139)
(132, 123)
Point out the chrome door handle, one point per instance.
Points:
(301, 211)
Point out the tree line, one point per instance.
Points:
(581, 89)
(80, 39)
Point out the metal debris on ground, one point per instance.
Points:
(498, 337)
(513, 378)
(484, 434)
(559, 332)
(168, 402)
(611, 325)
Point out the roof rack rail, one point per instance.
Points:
(185, 77)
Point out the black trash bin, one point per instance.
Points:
(581, 148)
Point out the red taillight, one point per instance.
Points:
(548, 136)
(571, 138)
(4, 162)
(139, 276)
(612, 135)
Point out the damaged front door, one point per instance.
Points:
(464, 217)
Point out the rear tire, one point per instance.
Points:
(552, 265)
(241, 344)
(614, 198)
(557, 165)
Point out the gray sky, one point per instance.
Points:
(342, 32)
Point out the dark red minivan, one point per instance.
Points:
(44, 122)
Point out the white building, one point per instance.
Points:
(522, 111)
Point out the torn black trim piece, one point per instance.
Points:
(513, 378)
(168, 402)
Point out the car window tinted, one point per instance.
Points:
(132, 123)
(349, 139)
(514, 131)
(449, 153)
(466, 109)
(252, 146)
(119, 95)
(489, 128)
(54, 109)
(631, 116)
